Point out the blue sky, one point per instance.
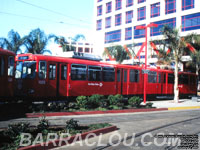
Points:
(62, 17)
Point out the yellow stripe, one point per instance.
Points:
(187, 107)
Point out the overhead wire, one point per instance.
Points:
(52, 11)
(41, 19)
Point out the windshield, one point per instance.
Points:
(26, 69)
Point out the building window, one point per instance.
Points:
(187, 4)
(170, 6)
(129, 16)
(141, 13)
(108, 22)
(129, 3)
(80, 49)
(128, 33)
(99, 10)
(155, 10)
(118, 19)
(169, 22)
(141, 1)
(87, 50)
(139, 33)
(191, 22)
(108, 7)
(113, 36)
(118, 4)
(99, 24)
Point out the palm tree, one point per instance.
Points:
(36, 41)
(63, 42)
(13, 42)
(118, 52)
(177, 47)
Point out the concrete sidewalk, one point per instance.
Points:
(193, 103)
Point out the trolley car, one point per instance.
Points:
(40, 77)
(7, 65)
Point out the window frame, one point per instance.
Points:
(168, 9)
(42, 72)
(141, 13)
(155, 7)
(77, 68)
(52, 71)
(118, 19)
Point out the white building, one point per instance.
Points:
(116, 21)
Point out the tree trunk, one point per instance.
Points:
(176, 90)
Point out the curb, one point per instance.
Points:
(185, 107)
(69, 140)
(36, 115)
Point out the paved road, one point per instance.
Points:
(139, 129)
(141, 124)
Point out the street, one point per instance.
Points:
(137, 131)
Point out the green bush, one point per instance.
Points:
(81, 101)
(115, 99)
(72, 124)
(95, 101)
(43, 125)
(14, 130)
(134, 101)
(149, 105)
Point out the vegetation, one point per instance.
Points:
(13, 42)
(36, 42)
(178, 48)
(10, 138)
(118, 52)
(65, 44)
(94, 102)
(134, 101)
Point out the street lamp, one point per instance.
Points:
(151, 25)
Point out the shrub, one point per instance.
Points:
(115, 99)
(43, 124)
(72, 124)
(81, 101)
(14, 130)
(94, 101)
(134, 101)
(149, 105)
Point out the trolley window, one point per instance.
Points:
(183, 79)
(18, 72)
(78, 72)
(52, 71)
(152, 77)
(171, 78)
(159, 77)
(42, 69)
(29, 70)
(125, 75)
(108, 74)
(94, 73)
(134, 75)
(118, 75)
(11, 66)
(2, 66)
(193, 80)
(63, 72)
